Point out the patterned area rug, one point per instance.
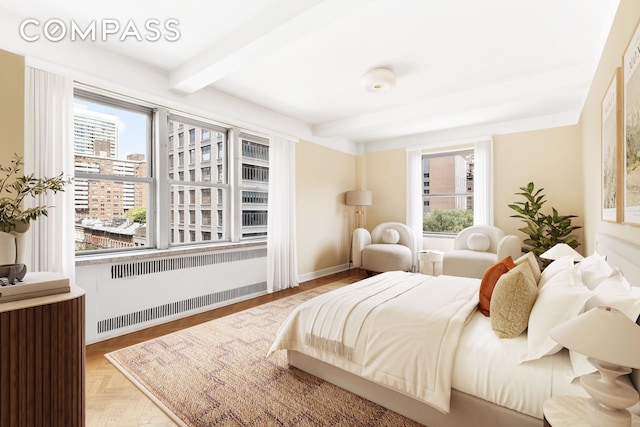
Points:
(216, 373)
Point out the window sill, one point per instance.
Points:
(147, 254)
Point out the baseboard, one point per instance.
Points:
(322, 273)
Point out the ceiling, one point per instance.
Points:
(463, 67)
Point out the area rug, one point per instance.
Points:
(217, 373)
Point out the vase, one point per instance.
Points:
(12, 253)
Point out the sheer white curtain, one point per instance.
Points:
(414, 194)
(483, 183)
(48, 150)
(282, 263)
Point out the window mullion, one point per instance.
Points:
(163, 228)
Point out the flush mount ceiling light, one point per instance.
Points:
(378, 80)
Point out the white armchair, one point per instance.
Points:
(477, 248)
(390, 246)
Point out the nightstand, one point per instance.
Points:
(431, 262)
(570, 411)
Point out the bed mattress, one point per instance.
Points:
(487, 367)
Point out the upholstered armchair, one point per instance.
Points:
(478, 247)
(390, 246)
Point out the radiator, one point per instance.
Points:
(123, 297)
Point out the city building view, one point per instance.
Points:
(111, 210)
(447, 191)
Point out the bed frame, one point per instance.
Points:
(465, 409)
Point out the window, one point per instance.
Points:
(114, 179)
(206, 153)
(112, 141)
(447, 191)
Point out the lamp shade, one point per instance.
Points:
(602, 333)
(358, 198)
(559, 250)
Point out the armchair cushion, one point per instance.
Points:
(390, 236)
(478, 242)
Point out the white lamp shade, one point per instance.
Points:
(559, 250)
(358, 198)
(604, 334)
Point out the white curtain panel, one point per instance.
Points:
(48, 150)
(483, 183)
(282, 263)
(414, 194)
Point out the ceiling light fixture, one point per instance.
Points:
(378, 80)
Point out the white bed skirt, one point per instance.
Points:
(465, 409)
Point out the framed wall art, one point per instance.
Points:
(612, 135)
(631, 153)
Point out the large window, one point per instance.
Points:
(447, 191)
(112, 139)
(135, 173)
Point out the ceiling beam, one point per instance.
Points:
(246, 45)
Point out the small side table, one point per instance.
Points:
(431, 262)
(570, 411)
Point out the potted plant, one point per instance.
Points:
(14, 218)
(544, 230)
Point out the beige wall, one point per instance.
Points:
(551, 159)
(624, 25)
(11, 105)
(324, 222)
(386, 173)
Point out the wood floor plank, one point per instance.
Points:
(113, 401)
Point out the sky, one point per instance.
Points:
(132, 127)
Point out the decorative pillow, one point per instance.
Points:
(562, 298)
(556, 266)
(488, 283)
(513, 297)
(390, 236)
(478, 242)
(530, 258)
(594, 269)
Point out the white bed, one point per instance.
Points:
(479, 382)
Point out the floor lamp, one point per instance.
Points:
(359, 199)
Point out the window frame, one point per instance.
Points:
(424, 197)
(160, 184)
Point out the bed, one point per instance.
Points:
(418, 345)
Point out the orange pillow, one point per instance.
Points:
(489, 279)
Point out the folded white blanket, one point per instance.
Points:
(337, 318)
(402, 332)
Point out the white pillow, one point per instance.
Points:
(594, 269)
(556, 266)
(478, 242)
(390, 236)
(562, 298)
(616, 292)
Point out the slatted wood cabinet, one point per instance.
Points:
(42, 361)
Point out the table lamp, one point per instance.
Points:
(359, 199)
(611, 341)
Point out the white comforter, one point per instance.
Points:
(398, 329)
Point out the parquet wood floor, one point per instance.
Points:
(112, 400)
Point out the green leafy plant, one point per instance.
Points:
(15, 187)
(544, 230)
(447, 220)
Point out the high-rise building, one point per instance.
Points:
(94, 133)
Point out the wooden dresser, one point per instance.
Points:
(42, 361)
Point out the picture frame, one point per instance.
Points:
(612, 128)
(631, 152)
